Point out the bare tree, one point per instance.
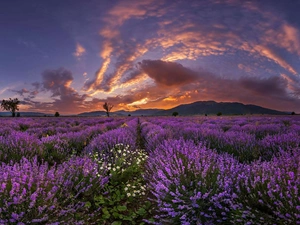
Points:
(10, 105)
(107, 106)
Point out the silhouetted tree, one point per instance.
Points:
(18, 114)
(219, 114)
(205, 114)
(107, 106)
(293, 113)
(129, 114)
(10, 105)
(175, 114)
(56, 114)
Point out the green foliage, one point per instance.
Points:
(125, 199)
(140, 139)
(55, 151)
(175, 114)
(10, 105)
(23, 127)
(287, 123)
(56, 114)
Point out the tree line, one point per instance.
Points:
(12, 105)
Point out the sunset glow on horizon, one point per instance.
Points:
(72, 56)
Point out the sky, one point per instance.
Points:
(71, 56)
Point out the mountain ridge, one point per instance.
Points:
(196, 108)
(189, 109)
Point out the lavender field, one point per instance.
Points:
(150, 170)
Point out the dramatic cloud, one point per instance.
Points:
(160, 53)
(65, 99)
(126, 52)
(183, 35)
(193, 85)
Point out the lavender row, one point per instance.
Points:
(195, 185)
(36, 193)
(55, 146)
(248, 140)
(43, 127)
(193, 172)
(93, 188)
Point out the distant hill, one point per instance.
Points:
(139, 112)
(226, 108)
(25, 114)
(93, 113)
(196, 108)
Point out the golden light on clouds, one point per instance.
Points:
(157, 53)
(139, 102)
(271, 55)
(170, 99)
(80, 50)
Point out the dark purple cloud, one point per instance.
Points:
(36, 85)
(21, 92)
(24, 92)
(167, 73)
(57, 81)
(273, 86)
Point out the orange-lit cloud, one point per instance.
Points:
(267, 52)
(80, 50)
(183, 38)
(288, 38)
(139, 102)
(114, 19)
(170, 98)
